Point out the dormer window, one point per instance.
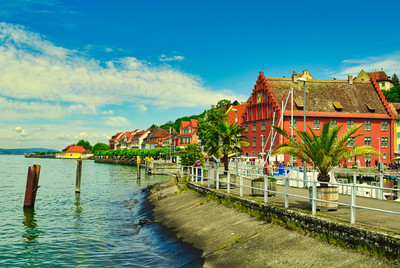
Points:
(299, 104)
(371, 109)
(338, 106)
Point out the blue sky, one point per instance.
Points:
(88, 69)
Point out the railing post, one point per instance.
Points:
(354, 178)
(209, 177)
(265, 189)
(228, 185)
(181, 171)
(353, 204)
(286, 192)
(202, 175)
(241, 185)
(314, 196)
(381, 185)
(217, 180)
(192, 171)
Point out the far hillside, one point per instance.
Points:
(23, 151)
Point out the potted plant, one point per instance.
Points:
(259, 183)
(324, 151)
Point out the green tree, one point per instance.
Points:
(393, 94)
(223, 103)
(218, 137)
(395, 80)
(190, 153)
(84, 144)
(100, 147)
(325, 150)
(153, 126)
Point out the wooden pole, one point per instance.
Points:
(78, 176)
(138, 171)
(31, 186)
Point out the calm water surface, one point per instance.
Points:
(96, 228)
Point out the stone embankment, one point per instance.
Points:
(40, 156)
(230, 238)
(154, 167)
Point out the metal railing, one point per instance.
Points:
(211, 174)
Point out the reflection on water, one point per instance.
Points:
(78, 213)
(31, 231)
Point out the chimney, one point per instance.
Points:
(350, 79)
(295, 76)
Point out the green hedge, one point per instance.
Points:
(157, 152)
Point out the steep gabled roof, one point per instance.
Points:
(184, 124)
(193, 122)
(117, 136)
(74, 149)
(379, 76)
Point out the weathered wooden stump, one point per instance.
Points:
(31, 186)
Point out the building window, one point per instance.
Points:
(294, 137)
(259, 112)
(367, 125)
(398, 123)
(316, 124)
(350, 123)
(384, 142)
(249, 114)
(246, 139)
(333, 123)
(294, 123)
(246, 127)
(259, 97)
(254, 126)
(252, 154)
(398, 135)
(351, 142)
(383, 84)
(384, 125)
(384, 155)
(254, 141)
(262, 124)
(367, 141)
(262, 141)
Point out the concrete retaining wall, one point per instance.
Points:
(343, 234)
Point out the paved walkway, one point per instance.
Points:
(366, 218)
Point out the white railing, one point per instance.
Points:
(211, 174)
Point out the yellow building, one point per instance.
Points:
(75, 152)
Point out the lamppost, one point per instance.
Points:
(235, 110)
(379, 144)
(304, 119)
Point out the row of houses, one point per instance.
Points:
(357, 100)
(156, 137)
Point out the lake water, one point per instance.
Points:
(96, 228)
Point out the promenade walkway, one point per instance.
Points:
(366, 218)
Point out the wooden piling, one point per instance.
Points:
(78, 176)
(138, 171)
(31, 186)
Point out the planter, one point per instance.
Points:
(223, 182)
(260, 184)
(326, 193)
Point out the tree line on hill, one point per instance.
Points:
(393, 94)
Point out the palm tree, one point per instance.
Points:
(325, 150)
(230, 140)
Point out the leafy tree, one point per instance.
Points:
(325, 150)
(84, 144)
(393, 94)
(100, 146)
(223, 103)
(218, 136)
(190, 153)
(395, 80)
(153, 126)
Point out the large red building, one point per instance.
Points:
(343, 102)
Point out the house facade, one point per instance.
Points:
(382, 79)
(343, 102)
(138, 138)
(75, 152)
(187, 133)
(115, 141)
(155, 138)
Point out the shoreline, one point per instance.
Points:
(229, 238)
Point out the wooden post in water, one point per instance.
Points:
(78, 176)
(31, 186)
(138, 168)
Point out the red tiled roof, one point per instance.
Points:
(185, 124)
(193, 122)
(379, 76)
(116, 136)
(240, 110)
(74, 149)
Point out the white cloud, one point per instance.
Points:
(117, 121)
(109, 112)
(389, 63)
(35, 68)
(142, 107)
(18, 129)
(173, 58)
(22, 133)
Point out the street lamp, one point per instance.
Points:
(304, 119)
(235, 110)
(379, 144)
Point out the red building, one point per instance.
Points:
(343, 102)
(187, 133)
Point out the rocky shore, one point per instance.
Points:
(229, 238)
